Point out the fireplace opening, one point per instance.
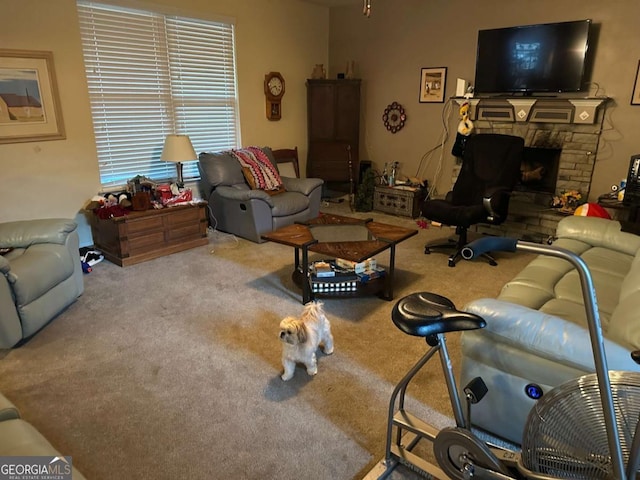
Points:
(539, 170)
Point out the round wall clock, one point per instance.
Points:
(394, 117)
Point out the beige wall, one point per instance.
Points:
(57, 178)
(401, 37)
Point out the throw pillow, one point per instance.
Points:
(258, 171)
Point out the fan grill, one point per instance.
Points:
(565, 435)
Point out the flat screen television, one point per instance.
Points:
(549, 57)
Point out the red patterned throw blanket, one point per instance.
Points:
(259, 172)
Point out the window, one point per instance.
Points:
(150, 75)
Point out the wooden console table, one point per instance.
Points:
(141, 236)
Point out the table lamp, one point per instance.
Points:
(178, 149)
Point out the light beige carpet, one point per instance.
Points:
(171, 368)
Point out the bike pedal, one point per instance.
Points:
(475, 390)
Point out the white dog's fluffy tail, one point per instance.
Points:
(313, 309)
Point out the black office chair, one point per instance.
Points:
(490, 170)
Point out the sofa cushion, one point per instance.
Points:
(631, 284)
(289, 203)
(598, 232)
(624, 325)
(220, 169)
(552, 286)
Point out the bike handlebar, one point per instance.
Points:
(488, 244)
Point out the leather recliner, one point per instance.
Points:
(42, 275)
(236, 208)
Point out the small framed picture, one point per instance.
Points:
(432, 84)
(635, 97)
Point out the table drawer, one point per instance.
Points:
(142, 226)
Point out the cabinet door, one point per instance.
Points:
(320, 106)
(329, 161)
(347, 112)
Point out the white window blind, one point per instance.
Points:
(150, 75)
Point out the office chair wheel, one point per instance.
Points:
(427, 250)
(457, 451)
(493, 263)
(452, 263)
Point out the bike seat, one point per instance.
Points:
(423, 314)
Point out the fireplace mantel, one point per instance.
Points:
(534, 109)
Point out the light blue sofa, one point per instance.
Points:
(536, 329)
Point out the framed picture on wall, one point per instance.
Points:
(29, 103)
(432, 84)
(635, 96)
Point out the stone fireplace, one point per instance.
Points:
(561, 143)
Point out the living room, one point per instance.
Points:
(391, 46)
(57, 178)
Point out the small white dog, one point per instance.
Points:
(301, 338)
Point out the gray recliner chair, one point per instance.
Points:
(42, 275)
(235, 208)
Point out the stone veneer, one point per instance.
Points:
(530, 216)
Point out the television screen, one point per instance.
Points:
(534, 58)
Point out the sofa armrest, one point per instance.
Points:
(545, 335)
(301, 185)
(8, 410)
(5, 267)
(22, 234)
(243, 195)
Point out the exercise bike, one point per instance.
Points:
(603, 444)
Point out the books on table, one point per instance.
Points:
(327, 276)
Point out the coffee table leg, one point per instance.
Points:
(307, 295)
(387, 293)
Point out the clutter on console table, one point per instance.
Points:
(141, 194)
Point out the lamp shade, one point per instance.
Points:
(178, 148)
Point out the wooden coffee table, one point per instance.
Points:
(341, 237)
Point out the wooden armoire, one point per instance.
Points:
(333, 124)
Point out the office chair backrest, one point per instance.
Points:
(490, 160)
